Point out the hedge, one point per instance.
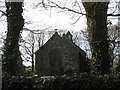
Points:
(63, 81)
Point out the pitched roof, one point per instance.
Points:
(56, 37)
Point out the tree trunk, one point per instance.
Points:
(97, 30)
(33, 53)
(12, 62)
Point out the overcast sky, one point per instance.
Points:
(52, 17)
(40, 18)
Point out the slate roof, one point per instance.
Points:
(64, 40)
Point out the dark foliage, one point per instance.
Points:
(64, 81)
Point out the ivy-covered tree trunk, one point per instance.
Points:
(97, 30)
(12, 62)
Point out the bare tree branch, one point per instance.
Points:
(36, 31)
(26, 59)
(113, 14)
(3, 13)
(65, 8)
(74, 11)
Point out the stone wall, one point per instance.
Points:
(58, 56)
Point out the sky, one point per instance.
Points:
(55, 17)
(52, 17)
(40, 18)
(37, 18)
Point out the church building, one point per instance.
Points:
(59, 55)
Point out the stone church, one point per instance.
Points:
(59, 55)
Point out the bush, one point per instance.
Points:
(65, 81)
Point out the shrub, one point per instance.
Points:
(64, 81)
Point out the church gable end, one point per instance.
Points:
(58, 56)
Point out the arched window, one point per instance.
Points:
(55, 58)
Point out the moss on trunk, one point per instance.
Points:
(12, 62)
(97, 29)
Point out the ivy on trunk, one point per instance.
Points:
(97, 30)
(12, 62)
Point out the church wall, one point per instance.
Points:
(69, 55)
